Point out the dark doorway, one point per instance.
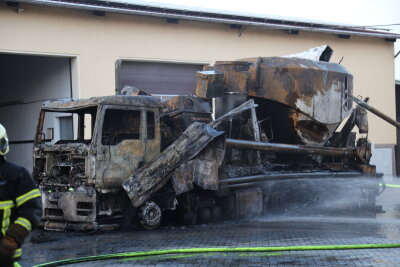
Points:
(26, 81)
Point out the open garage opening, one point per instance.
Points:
(26, 81)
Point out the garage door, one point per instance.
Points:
(25, 82)
(157, 78)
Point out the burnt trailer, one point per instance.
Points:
(259, 136)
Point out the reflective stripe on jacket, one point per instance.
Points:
(20, 200)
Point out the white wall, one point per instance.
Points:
(25, 82)
(382, 157)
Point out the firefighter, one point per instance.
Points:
(20, 206)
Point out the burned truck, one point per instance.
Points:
(260, 136)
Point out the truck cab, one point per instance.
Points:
(84, 149)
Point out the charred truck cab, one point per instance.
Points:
(102, 141)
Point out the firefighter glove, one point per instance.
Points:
(18, 233)
(7, 249)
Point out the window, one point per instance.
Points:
(150, 125)
(74, 126)
(120, 125)
(66, 128)
(88, 125)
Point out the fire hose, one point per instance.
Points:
(151, 253)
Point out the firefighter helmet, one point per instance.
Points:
(3, 141)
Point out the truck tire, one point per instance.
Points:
(149, 215)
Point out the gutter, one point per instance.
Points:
(208, 17)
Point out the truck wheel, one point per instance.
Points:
(149, 215)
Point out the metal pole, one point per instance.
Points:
(287, 176)
(285, 148)
(256, 180)
(366, 106)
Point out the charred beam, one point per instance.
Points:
(286, 148)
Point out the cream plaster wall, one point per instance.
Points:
(96, 43)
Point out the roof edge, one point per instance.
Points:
(243, 20)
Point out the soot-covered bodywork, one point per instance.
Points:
(80, 171)
(259, 136)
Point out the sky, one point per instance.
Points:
(355, 12)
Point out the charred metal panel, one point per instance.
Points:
(182, 179)
(206, 174)
(318, 89)
(203, 171)
(75, 148)
(115, 163)
(69, 206)
(72, 103)
(180, 112)
(148, 179)
(316, 92)
(118, 160)
(186, 104)
(153, 134)
(310, 131)
(226, 103)
(207, 164)
(236, 75)
(210, 84)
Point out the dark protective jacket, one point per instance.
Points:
(20, 201)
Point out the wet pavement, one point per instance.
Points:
(262, 232)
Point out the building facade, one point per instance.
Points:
(56, 49)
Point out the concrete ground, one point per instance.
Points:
(261, 232)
